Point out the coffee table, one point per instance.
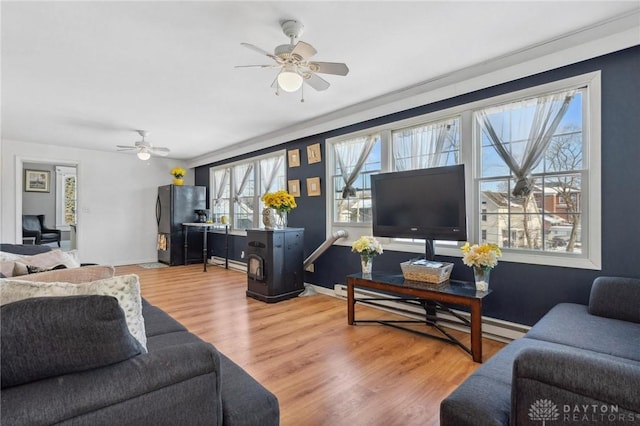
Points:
(434, 298)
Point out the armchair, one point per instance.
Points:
(33, 226)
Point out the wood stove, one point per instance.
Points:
(275, 263)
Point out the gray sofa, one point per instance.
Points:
(578, 365)
(181, 380)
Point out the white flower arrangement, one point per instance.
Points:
(483, 256)
(367, 246)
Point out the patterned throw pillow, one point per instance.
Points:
(125, 288)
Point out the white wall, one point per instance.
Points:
(116, 199)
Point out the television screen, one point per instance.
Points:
(426, 203)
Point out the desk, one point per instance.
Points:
(432, 297)
(205, 230)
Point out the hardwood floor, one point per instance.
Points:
(323, 371)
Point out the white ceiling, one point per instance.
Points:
(87, 74)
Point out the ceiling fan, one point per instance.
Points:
(144, 148)
(293, 61)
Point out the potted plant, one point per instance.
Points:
(178, 175)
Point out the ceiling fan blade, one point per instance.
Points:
(258, 66)
(337, 68)
(259, 50)
(160, 151)
(305, 50)
(317, 82)
(125, 147)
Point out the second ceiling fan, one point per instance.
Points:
(293, 61)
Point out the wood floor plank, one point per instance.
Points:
(323, 371)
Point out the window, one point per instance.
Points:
(531, 170)
(532, 165)
(236, 189)
(355, 160)
(66, 197)
(425, 146)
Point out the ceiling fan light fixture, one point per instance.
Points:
(144, 155)
(289, 81)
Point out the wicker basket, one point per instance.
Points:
(416, 272)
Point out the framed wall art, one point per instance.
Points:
(294, 187)
(36, 180)
(313, 187)
(313, 154)
(294, 157)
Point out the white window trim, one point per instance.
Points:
(469, 154)
(256, 169)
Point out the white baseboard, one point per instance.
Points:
(492, 328)
(233, 264)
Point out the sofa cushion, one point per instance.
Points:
(157, 322)
(83, 274)
(567, 377)
(16, 265)
(52, 258)
(125, 288)
(571, 324)
(50, 336)
(616, 297)
(244, 400)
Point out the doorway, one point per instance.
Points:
(54, 195)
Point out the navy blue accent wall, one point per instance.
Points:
(522, 293)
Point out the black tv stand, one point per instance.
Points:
(429, 254)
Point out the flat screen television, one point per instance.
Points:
(426, 204)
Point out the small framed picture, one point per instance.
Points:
(294, 187)
(313, 187)
(313, 154)
(36, 180)
(294, 157)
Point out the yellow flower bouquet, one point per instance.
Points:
(482, 258)
(281, 201)
(178, 172)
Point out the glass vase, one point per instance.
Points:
(281, 219)
(481, 277)
(367, 264)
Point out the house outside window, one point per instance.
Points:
(532, 171)
(237, 189)
(531, 154)
(355, 159)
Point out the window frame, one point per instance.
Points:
(257, 185)
(591, 258)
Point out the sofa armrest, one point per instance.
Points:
(616, 297)
(174, 385)
(51, 230)
(559, 384)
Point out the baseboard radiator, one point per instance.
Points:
(503, 331)
(233, 264)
